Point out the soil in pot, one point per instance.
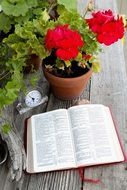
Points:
(74, 71)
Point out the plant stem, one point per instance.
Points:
(52, 6)
(4, 76)
(89, 4)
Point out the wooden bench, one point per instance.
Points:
(109, 87)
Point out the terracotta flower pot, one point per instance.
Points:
(67, 88)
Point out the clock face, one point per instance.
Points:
(33, 98)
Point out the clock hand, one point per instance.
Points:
(32, 98)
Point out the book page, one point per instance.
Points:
(94, 134)
(29, 150)
(52, 141)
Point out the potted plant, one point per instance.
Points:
(67, 42)
(73, 45)
(34, 32)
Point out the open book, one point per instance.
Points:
(82, 135)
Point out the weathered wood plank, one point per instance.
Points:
(119, 4)
(81, 6)
(122, 9)
(125, 49)
(122, 6)
(110, 88)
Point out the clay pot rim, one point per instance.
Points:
(67, 88)
(69, 78)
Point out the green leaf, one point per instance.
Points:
(60, 64)
(6, 128)
(15, 8)
(69, 16)
(71, 4)
(37, 47)
(10, 92)
(96, 67)
(2, 98)
(21, 49)
(67, 63)
(5, 23)
(34, 79)
(12, 38)
(45, 15)
(32, 3)
(12, 89)
(79, 57)
(26, 31)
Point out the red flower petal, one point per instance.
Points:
(67, 54)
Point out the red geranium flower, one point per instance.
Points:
(107, 28)
(65, 41)
(110, 33)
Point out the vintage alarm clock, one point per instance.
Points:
(31, 99)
